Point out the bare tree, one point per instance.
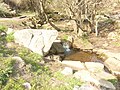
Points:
(84, 13)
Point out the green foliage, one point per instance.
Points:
(65, 37)
(5, 70)
(10, 37)
(113, 81)
(14, 84)
(3, 28)
(30, 57)
(69, 80)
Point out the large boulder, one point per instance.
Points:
(37, 40)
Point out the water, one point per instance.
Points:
(82, 56)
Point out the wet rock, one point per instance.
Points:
(108, 85)
(113, 65)
(82, 44)
(94, 66)
(39, 41)
(77, 65)
(67, 71)
(87, 87)
(58, 48)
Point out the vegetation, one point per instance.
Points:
(40, 76)
(84, 16)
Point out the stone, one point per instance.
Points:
(27, 85)
(113, 36)
(94, 66)
(10, 30)
(105, 75)
(19, 63)
(107, 84)
(77, 65)
(76, 87)
(85, 76)
(23, 37)
(67, 71)
(82, 44)
(58, 47)
(37, 40)
(57, 58)
(87, 87)
(113, 65)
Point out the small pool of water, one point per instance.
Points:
(83, 57)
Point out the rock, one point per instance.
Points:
(57, 58)
(113, 36)
(37, 40)
(87, 87)
(77, 65)
(19, 64)
(82, 43)
(67, 71)
(27, 85)
(105, 75)
(10, 30)
(94, 66)
(117, 22)
(107, 84)
(85, 76)
(113, 65)
(58, 47)
(76, 87)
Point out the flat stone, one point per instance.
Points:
(37, 40)
(94, 66)
(113, 65)
(67, 71)
(87, 87)
(105, 75)
(82, 44)
(77, 65)
(107, 84)
(85, 76)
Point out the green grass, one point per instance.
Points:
(40, 75)
(116, 44)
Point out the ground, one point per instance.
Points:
(101, 41)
